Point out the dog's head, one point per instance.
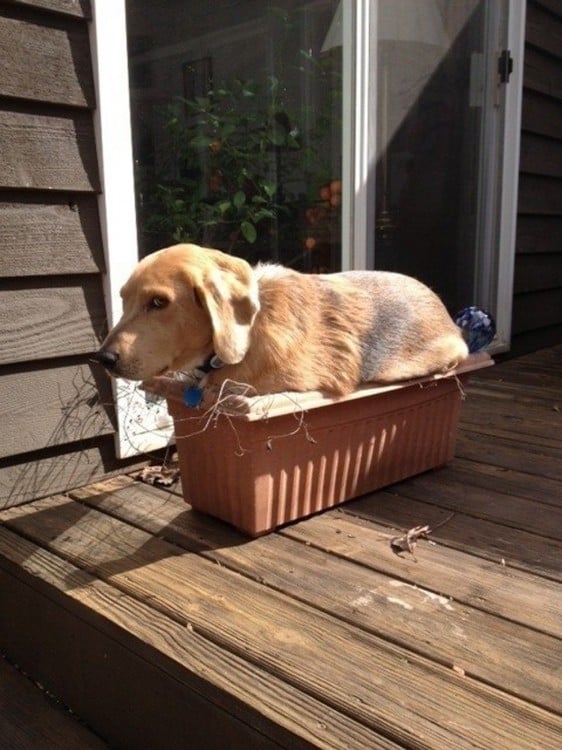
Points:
(181, 305)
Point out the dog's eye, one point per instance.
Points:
(157, 303)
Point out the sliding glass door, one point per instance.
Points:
(440, 139)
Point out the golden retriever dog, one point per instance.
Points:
(275, 329)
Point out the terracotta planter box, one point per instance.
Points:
(279, 458)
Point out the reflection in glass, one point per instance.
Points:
(435, 87)
(236, 118)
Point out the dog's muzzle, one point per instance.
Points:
(107, 358)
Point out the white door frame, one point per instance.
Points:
(142, 421)
(359, 118)
(510, 175)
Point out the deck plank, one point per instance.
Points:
(508, 481)
(30, 720)
(257, 699)
(482, 584)
(372, 599)
(510, 453)
(540, 370)
(522, 392)
(307, 648)
(480, 537)
(536, 422)
(454, 493)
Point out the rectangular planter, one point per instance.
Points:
(278, 458)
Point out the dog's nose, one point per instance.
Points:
(107, 358)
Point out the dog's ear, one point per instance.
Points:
(229, 291)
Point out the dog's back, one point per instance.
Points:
(334, 331)
(408, 331)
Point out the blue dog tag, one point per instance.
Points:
(192, 396)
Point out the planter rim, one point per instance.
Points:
(252, 408)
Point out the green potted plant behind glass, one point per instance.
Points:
(218, 179)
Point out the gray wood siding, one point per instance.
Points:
(537, 304)
(46, 63)
(57, 469)
(48, 151)
(45, 235)
(73, 8)
(56, 407)
(49, 407)
(38, 322)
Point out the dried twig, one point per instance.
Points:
(408, 541)
(226, 404)
(159, 475)
(164, 474)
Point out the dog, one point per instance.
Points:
(275, 329)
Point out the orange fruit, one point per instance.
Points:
(215, 180)
(325, 193)
(311, 215)
(310, 243)
(335, 186)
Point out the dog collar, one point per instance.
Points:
(213, 362)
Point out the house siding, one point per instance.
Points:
(56, 407)
(537, 304)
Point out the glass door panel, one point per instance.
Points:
(439, 144)
(236, 120)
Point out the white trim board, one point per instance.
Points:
(510, 175)
(142, 423)
(359, 133)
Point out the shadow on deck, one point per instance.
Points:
(164, 628)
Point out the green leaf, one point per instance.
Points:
(263, 213)
(200, 141)
(227, 130)
(269, 188)
(239, 199)
(249, 89)
(224, 206)
(249, 232)
(277, 136)
(292, 141)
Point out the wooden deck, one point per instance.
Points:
(31, 720)
(163, 628)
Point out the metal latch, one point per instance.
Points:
(505, 66)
